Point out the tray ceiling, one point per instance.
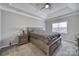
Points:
(38, 10)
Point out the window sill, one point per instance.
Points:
(63, 33)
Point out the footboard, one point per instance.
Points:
(54, 45)
(40, 44)
(47, 49)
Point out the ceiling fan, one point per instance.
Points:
(46, 6)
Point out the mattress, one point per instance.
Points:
(48, 38)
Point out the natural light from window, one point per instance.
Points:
(60, 27)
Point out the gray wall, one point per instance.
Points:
(73, 26)
(13, 23)
(0, 24)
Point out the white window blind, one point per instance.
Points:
(60, 27)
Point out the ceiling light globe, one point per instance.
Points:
(47, 6)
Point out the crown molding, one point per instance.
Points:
(19, 13)
(65, 15)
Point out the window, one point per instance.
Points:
(60, 27)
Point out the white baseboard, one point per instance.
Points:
(7, 46)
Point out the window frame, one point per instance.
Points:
(59, 25)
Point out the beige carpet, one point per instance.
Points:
(66, 49)
(24, 50)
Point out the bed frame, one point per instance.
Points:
(47, 49)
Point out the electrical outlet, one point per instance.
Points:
(10, 43)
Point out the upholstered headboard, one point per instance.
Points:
(29, 29)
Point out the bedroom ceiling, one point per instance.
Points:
(54, 7)
(36, 10)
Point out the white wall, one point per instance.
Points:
(0, 24)
(0, 29)
(13, 23)
(73, 26)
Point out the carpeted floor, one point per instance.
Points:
(66, 49)
(23, 50)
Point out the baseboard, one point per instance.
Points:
(7, 46)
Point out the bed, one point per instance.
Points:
(47, 42)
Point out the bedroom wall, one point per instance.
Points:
(73, 26)
(0, 29)
(0, 24)
(13, 23)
